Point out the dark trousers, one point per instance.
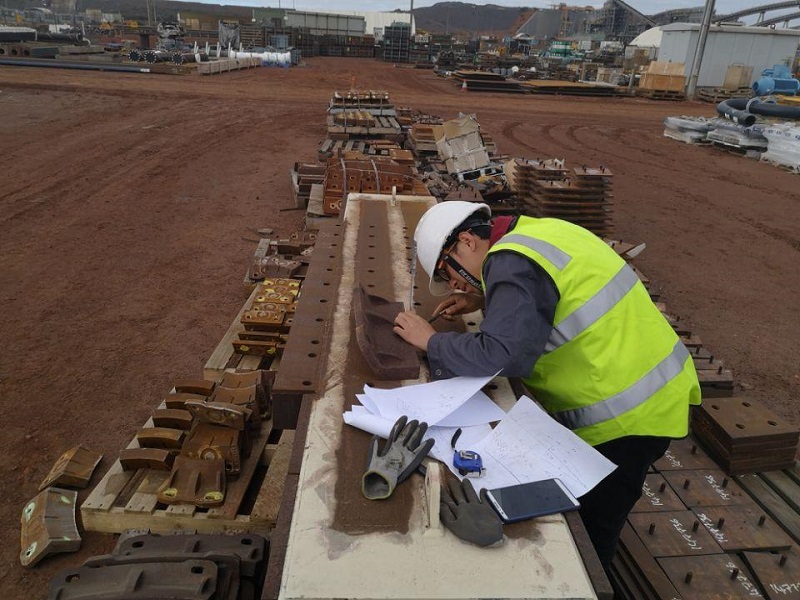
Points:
(605, 508)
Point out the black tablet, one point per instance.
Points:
(529, 500)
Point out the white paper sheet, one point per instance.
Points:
(429, 402)
(528, 445)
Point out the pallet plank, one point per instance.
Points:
(215, 366)
(111, 508)
(269, 496)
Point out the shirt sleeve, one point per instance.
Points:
(520, 308)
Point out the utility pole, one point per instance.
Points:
(697, 62)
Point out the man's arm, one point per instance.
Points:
(520, 307)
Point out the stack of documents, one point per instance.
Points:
(444, 405)
(527, 445)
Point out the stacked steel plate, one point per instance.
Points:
(197, 567)
(581, 196)
(369, 175)
(697, 533)
(744, 436)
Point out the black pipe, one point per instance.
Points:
(57, 64)
(190, 57)
(736, 115)
(757, 107)
(75, 38)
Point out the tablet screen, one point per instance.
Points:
(535, 499)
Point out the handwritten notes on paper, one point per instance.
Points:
(528, 445)
(445, 405)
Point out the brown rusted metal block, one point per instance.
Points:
(250, 548)
(744, 435)
(706, 487)
(189, 580)
(207, 441)
(179, 399)
(228, 566)
(684, 454)
(265, 315)
(198, 481)
(299, 371)
(173, 418)
(777, 573)
(250, 399)
(262, 380)
(48, 525)
(657, 496)
(273, 266)
(277, 290)
(73, 469)
(716, 577)
(252, 346)
(673, 533)
(738, 528)
(233, 380)
(202, 387)
(386, 353)
(160, 437)
(643, 572)
(223, 414)
(132, 459)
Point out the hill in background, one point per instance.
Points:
(444, 17)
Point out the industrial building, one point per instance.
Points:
(750, 47)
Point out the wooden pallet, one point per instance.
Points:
(720, 94)
(127, 499)
(791, 168)
(661, 94)
(746, 151)
(223, 65)
(224, 357)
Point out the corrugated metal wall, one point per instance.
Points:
(326, 24)
(726, 48)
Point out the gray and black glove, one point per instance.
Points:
(463, 513)
(400, 456)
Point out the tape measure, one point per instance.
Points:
(468, 463)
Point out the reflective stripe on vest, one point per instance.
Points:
(628, 399)
(554, 254)
(593, 309)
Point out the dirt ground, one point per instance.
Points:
(130, 203)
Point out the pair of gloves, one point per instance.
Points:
(461, 510)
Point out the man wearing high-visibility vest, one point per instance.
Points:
(568, 316)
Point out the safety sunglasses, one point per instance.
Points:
(440, 271)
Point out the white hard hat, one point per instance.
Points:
(433, 229)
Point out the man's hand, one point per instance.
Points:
(458, 304)
(413, 329)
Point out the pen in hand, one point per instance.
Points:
(437, 315)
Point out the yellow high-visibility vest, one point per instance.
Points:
(613, 366)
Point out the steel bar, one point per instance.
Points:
(51, 64)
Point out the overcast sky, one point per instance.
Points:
(645, 6)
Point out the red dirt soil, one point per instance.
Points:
(130, 204)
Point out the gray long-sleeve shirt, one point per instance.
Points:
(520, 307)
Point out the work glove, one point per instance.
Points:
(401, 455)
(470, 518)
